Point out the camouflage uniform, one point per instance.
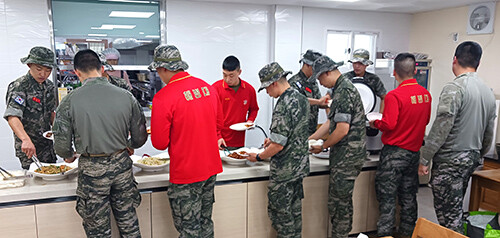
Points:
(33, 103)
(460, 135)
(308, 88)
(190, 204)
(105, 179)
(348, 155)
(122, 83)
(289, 128)
(397, 176)
(119, 82)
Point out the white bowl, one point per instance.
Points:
(151, 168)
(53, 177)
(374, 116)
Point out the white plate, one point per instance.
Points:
(242, 126)
(151, 168)
(51, 137)
(329, 102)
(53, 177)
(374, 116)
(233, 161)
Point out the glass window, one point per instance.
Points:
(341, 44)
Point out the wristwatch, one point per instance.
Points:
(258, 158)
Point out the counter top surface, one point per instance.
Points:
(36, 188)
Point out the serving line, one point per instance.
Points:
(38, 189)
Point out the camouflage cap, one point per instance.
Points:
(270, 74)
(107, 66)
(324, 64)
(309, 57)
(40, 55)
(168, 57)
(362, 56)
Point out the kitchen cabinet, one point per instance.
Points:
(18, 221)
(60, 219)
(229, 212)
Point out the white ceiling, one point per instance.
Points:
(399, 6)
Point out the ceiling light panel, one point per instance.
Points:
(130, 14)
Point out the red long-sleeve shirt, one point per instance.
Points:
(407, 112)
(184, 119)
(236, 106)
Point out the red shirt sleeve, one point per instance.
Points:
(161, 119)
(254, 107)
(391, 114)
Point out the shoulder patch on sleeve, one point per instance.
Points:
(19, 100)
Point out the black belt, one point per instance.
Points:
(103, 154)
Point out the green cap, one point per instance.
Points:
(309, 57)
(362, 56)
(324, 64)
(270, 74)
(40, 55)
(168, 57)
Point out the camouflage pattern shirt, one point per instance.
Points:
(119, 82)
(464, 119)
(289, 128)
(33, 103)
(97, 124)
(372, 80)
(348, 107)
(310, 90)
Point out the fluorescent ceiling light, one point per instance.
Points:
(112, 27)
(152, 36)
(97, 34)
(129, 1)
(97, 40)
(141, 33)
(343, 0)
(131, 14)
(144, 41)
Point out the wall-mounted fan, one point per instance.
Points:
(481, 18)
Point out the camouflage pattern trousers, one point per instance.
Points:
(345, 166)
(192, 208)
(44, 152)
(104, 184)
(285, 207)
(397, 176)
(450, 177)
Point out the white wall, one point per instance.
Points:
(23, 24)
(214, 31)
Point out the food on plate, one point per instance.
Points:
(48, 135)
(148, 130)
(243, 153)
(248, 125)
(53, 169)
(152, 161)
(237, 155)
